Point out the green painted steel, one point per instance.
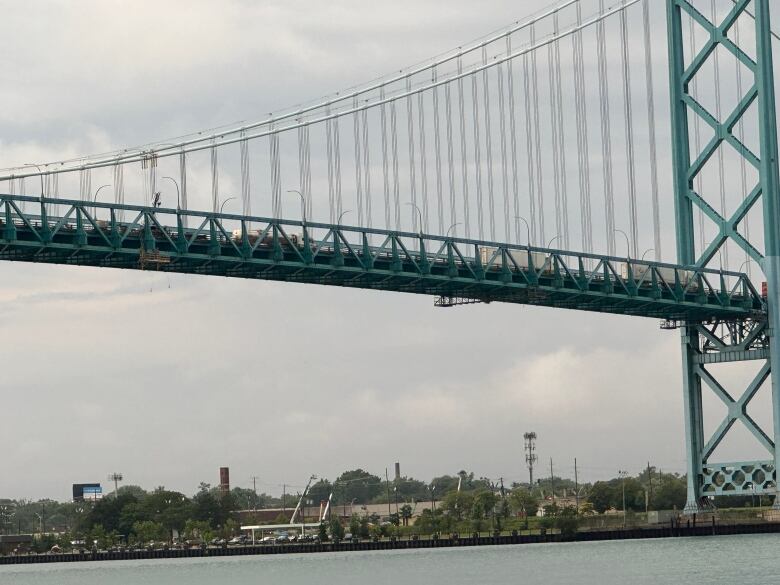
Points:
(90, 234)
(703, 344)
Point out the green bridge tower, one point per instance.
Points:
(719, 341)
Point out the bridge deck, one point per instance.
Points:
(144, 238)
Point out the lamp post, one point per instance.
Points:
(527, 228)
(303, 204)
(551, 241)
(94, 199)
(449, 229)
(419, 213)
(341, 215)
(178, 193)
(628, 243)
(646, 252)
(222, 207)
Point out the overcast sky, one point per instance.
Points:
(166, 379)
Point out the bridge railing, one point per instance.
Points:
(163, 235)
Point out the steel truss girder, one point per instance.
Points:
(702, 345)
(366, 258)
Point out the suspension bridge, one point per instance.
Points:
(473, 177)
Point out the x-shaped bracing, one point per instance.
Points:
(737, 410)
(723, 131)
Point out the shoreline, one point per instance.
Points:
(422, 543)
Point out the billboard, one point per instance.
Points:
(87, 492)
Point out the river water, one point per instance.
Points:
(704, 561)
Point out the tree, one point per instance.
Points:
(672, 493)
(458, 504)
(148, 531)
(169, 508)
(198, 529)
(602, 496)
(132, 490)
(483, 504)
(406, 514)
(206, 507)
(336, 529)
(357, 485)
(524, 502)
(411, 490)
(364, 527)
(320, 491)
(354, 525)
(246, 499)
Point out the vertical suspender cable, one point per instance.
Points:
(119, 184)
(742, 160)
(394, 143)
(367, 170)
(488, 148)
(477, 157)
(450, 158)
(214, 178)
(276, 181)
(583, 159)
(331, 174)
(537, 138)
(385, 163)
(651, 125)
(337, 165)
(724, 251)
(423, 162)
(463, 152)
(529, 137)
(246, 189)
(555, 107)
(119, 187)
(85, 184)
(357, 137)
(606, 135)
(562, 183)
(182, 181)
(629, 124)
(503, 144)
(412, 154)
(513, 139)
(303, 171)
(694, 92)
(437, 154)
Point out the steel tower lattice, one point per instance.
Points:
(705, 343)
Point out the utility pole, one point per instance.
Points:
(284, 498)
(649, 484)
(530, 456)
(254, 486)
(623, 475)
(552, 480)
(576, 487)
(387, 481)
